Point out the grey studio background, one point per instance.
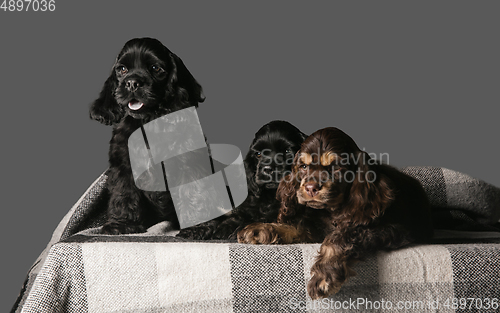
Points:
(418, 81)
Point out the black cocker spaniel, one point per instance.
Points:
(147, 81)
(268, 160)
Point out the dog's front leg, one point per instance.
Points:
(343, 247)
(125, 213)
(331, 268)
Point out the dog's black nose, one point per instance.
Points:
(132, 85)
(268, 170)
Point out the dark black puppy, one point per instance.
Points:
(147, 81)
(268, 160)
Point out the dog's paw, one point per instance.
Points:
(258, 233)
(225, 231)
(198, 232)
(322, 287)
(118, 229)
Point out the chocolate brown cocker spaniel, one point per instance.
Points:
(338, 195)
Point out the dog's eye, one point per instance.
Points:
(287, 151)
(156, 68)
(258, 154)
(122, 69)
(304, 167)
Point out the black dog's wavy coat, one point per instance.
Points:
(268, 160)
(147, 81)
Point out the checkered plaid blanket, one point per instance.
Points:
(83, 271)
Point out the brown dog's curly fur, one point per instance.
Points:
(337, 195)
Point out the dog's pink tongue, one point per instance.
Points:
(135, 105)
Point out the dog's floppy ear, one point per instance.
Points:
(105, 109)
(287, 193)
(370, 193)
(303, 136)
(250, 169)
(183, 84)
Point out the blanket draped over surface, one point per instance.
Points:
(83, 271)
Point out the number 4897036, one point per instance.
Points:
(28, 5)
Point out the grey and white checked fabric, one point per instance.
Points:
(451, 191)
(95, 275)
(82, 271)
